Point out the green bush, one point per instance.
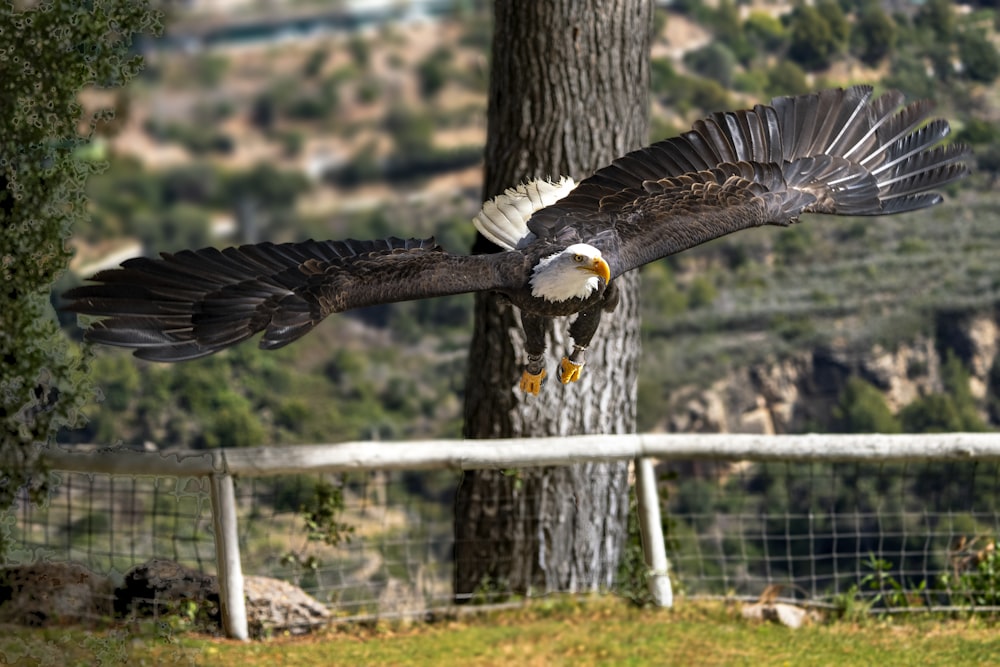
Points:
(812, 42)
(980, 58)
(714, 61)
(953, 410)
(861, 408)
(786, 78)
(50, 50)
(874, 36)
(765, 32)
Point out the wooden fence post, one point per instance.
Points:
(651, 531)
(227, 555)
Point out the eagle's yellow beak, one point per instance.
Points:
(599, 268)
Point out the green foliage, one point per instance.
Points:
(912, 245)
(314, 63)
(209, 69)
(546, 630)
(812, 41)
(835, 18)
(978, 131)
(765, 32)
(988, 160)
(714, 61)
(786, 78)
(411, 131)
(938, 18)
(890, 590)
(322, 515)
(360, 49)
(267, 185)
(660, 293)
(909, 73)
(701, 292)
(662, 75)
(861, 408)
(979, 583)
(200, 139)
(993, 390)
(953, 410)
(48, 53)
(794, 244)
(684, 93)
(979, 57)
(433, 71)
(934, 413)
(955, 378)
(728, 29)
(874, 36)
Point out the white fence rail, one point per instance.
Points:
(219, 466)
(528, 452)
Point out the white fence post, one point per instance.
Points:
(227, 555)
(651, 531)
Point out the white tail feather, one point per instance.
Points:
(504, 219)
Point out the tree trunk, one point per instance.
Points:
(568, 93)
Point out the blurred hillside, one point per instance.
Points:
(284, 121)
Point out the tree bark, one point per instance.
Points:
(569, 93)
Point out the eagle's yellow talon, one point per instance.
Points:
(530, 383)
(570, 371)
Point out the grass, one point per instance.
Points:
(557, 631)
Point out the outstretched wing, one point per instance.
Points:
(196, 302)
(838, 151)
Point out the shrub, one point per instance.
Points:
(861, 408)
(51, 50)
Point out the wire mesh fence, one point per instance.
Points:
(110, 523)
(897, 536)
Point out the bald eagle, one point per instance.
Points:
(839, 151)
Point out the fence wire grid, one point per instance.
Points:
(897, 536)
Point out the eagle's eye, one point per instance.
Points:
(578, 258)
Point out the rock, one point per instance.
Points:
(983, 335)
(799, 392)
(43, 594)
(776, 612)
(278, 606)
(903, 374)
(758, 420)
(158, 587)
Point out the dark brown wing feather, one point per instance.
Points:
(837, 151)
(196, 302)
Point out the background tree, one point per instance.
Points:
(874, 36)
(835, 18)
(861, 408)
(812, 42)
(786, 78)
(979, 57)
(52, 50)
(713, 61)
(938, 17)
(765, 33)
(568, 93)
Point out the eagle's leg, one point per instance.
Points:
(571, 367)
(533, 375)
(534, 344)
(582, 330)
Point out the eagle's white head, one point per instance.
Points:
(571, 273)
